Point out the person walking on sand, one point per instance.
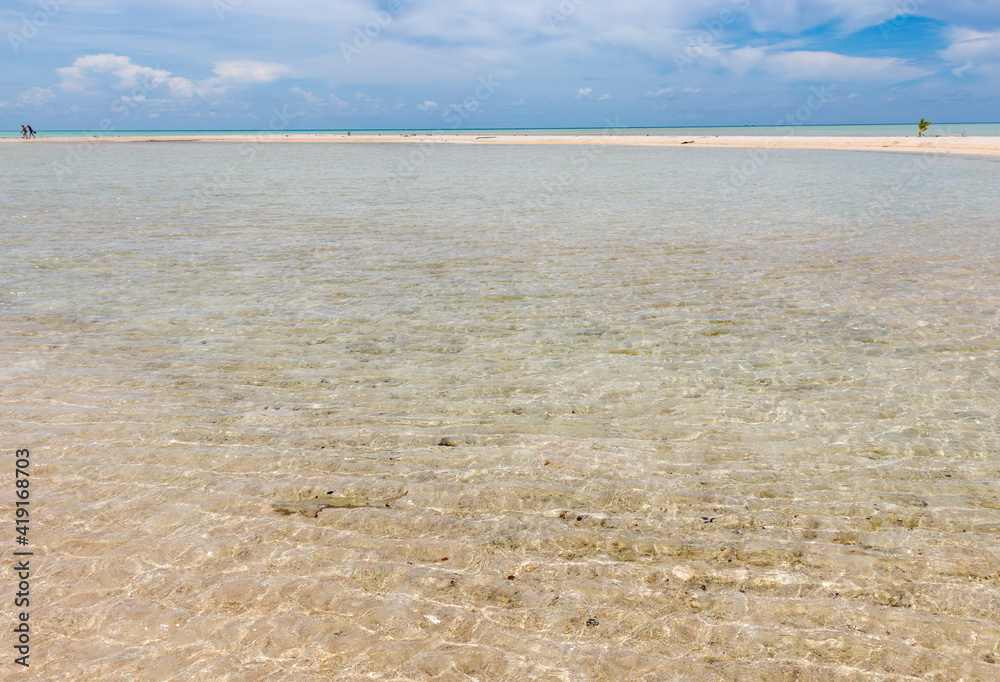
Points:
(24, 133)
(31, 131)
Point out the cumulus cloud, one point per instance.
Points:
(84, 73)
(91, 71)
(433, 49)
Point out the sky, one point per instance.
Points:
(474, 64)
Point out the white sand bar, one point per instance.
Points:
(989, 146)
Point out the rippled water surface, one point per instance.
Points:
(708, 414)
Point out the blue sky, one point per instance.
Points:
(451, 64)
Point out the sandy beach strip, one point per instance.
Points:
(989, 146)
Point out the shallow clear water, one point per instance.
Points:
(738, 412)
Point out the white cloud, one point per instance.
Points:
(309, 97)
(742, 59)
(249, 71)
(794, 16)
(35, 97)
(830, 66)
(975, 52)
(313, 98)
(670, 93)
(463, 110)
(805, 65)
(971, 48)
(438, 49)
(90, 71)
(604, 98)
(980, 14)
(657, 94)
(81, 75)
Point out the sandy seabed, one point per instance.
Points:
(761, 452)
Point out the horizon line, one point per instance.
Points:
(496, 129)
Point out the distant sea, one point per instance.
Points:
(887, 130)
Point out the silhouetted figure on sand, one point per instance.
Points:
(31, 131)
